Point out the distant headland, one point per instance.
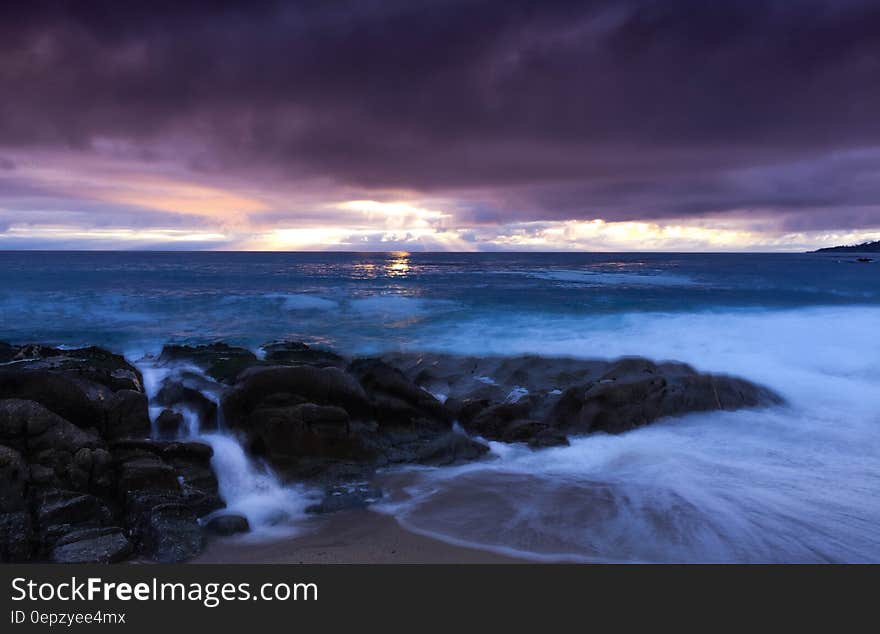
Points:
(865, 247)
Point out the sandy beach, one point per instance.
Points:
(349, 537)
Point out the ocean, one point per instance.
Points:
(795, 483)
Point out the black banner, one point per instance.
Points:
(412, 597)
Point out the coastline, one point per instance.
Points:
(357, 536)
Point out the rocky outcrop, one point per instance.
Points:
(327, 422)
(186, 392)
(219, 361)
(80, 480)
(228, 524)
(539, 400)
(325, 419)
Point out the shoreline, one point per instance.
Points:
(357, 536)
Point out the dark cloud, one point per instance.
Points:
(620, 109)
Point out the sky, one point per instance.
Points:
(606, 125)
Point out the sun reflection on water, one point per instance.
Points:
(399, 265)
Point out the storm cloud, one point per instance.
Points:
(761, 112)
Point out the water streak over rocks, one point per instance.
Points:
(81, 480)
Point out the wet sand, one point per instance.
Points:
(349, 537)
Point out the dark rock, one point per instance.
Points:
(41, 475)
(7, 352)
(94, 545)
(147, 474)
(127, 416)
(322, 386)
(397, 400)
(14, 475)
(163, 525)
(467, 409)
(132, 448)
(17, 415)
(16, 537)
(31, 429)
(63, 495)
(90, 387)
(635, 392)
(100, 366)
(493, 421)
(345, 497)
(178, 394)
(92, 364)
(192, 451)
(199, 501)
(489, 394)
(59, 507)
(219, 360)
(173, 534)
(154, 463)
(523, 430)
(71, 398)
(286, 434)
(549, 437)
(192, 462)
(450, 448)
(102, 475)
(169, 424)
(228, 524)
(298, 353)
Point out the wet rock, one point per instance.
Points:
(16, 537)
(93, 545)
(286, 434)
(79, 478)
(127, 415)
(228, 524)
(169, 424)
(178, 394)
(321, 386)
(549, 437)
(131, 448)
(70, 398)
(92, 364)
(14, 476)
(75, 429)
(100, 366)
(147, 474)
(173, 534)
(635, 392)
(298, 353)
(188, 462)
(17, 415)
(59, 508)
(523, 430)
(219, 360)
(192, 462)
(450, 448)
(578, 396)
(397, 400)
(493, 421)
(199, 501)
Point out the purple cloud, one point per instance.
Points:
(513, 111)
